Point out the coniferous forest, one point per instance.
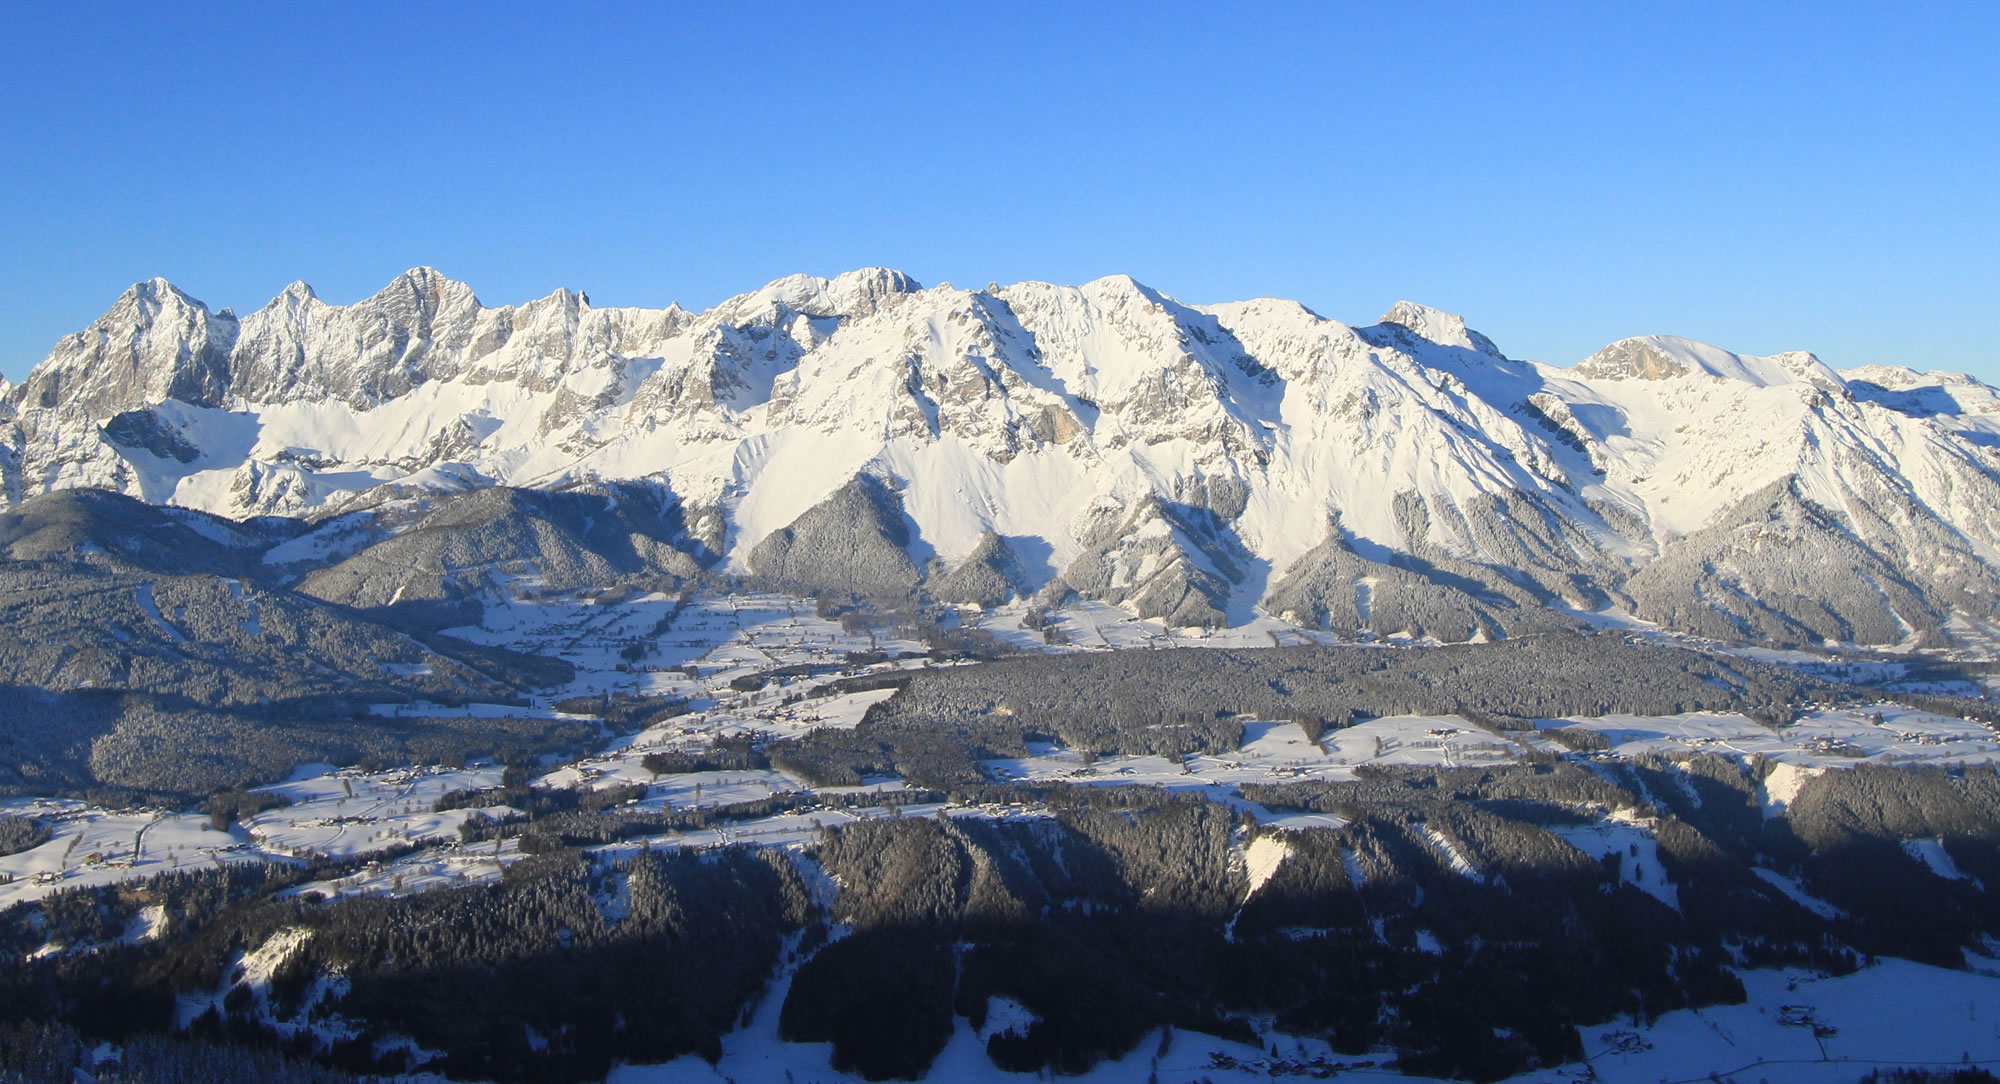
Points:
(1447, 921)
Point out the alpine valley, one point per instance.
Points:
(858, 680)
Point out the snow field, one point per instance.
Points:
(92, 846)
(447, 865)
(1629, 836)
(1086, 626)
(1822, 739)
(720, 636)
(347, 813)
(1277, 752)
(1892, 1013)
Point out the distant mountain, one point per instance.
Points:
(1104, 441)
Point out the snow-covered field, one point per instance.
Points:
(347, 813)
(1829, 738)
(93, 846)
(1277, 752)
(1096, 626)
(1629, 835)
(445, 865)
(720, 636)
(339, 814)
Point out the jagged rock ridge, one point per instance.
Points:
(1105, 441)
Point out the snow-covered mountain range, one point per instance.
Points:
(1195, 463)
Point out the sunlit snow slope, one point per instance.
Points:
(1190, 463)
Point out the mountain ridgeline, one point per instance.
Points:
(717, 628)
(1034, 443)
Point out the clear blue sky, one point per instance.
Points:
(1763, 176)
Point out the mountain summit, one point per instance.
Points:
(1103, 441)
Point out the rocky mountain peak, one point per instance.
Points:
(422, 293)
(298, 292)
(1437, 326)
(1667, 357)
(868, 288)
(1807, 367)
(849, 294)
(1638, 358)
(155, 343)
(1122, 290)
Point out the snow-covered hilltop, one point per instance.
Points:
(1188, 462)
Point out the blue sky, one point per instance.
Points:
(1763, 176)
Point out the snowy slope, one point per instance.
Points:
(1181, 461)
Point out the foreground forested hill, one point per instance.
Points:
(1468, 923)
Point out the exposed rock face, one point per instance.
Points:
(143, 430)
(1181, 461)
(420, 327)
(1631, 359)
(156, 343)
